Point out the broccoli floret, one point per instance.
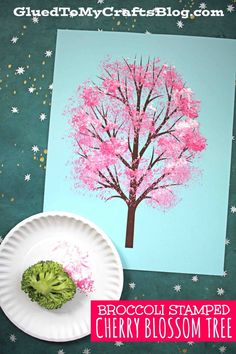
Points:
(48, 284)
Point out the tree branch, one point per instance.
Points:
(167, 185)
(84, 155)
(149, 99)
(115, 186)
(150, 188)
(114, 196)
(152, 136)
(124, 161)
(151, 165)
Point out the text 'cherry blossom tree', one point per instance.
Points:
(135, 135)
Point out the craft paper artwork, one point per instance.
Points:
(138, 145)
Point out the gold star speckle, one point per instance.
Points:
(9, 66)
(41, 159)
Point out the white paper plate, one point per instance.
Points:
(29, 242)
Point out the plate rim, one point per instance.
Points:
(91, 225)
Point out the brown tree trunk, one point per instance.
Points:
(129, 241)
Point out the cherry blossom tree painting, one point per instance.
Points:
(135, 134)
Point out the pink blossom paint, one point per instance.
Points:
(135, 134)
(76, 263)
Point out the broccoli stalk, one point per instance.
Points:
(48, 284)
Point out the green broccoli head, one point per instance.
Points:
(48, 284)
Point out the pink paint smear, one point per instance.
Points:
(76, 264)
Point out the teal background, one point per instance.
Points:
(182, 238)
(19, 132)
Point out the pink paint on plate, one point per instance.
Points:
(76, 264)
